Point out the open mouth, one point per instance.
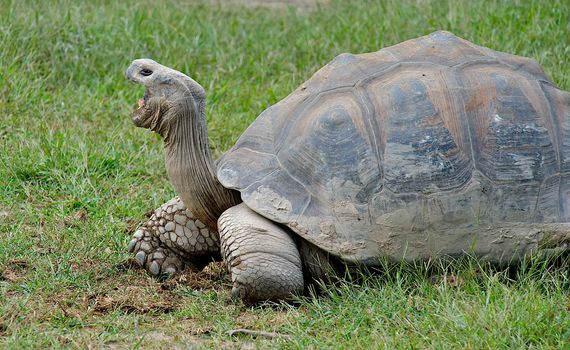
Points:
(142, 101)
(140, 110)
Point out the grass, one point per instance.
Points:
(76, 177)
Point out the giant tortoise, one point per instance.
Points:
(433, 147)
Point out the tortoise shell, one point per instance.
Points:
(432, 146)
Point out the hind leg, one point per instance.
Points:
(172, 239)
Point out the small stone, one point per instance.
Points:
(191, 225)
(187, 232)
(180, 219)
(138, 234)
(159, 213)
(209, 242)
(180, 205)
(204, 232)
(154, 268)
(131, 246)
(200, 224)
(170, 270)
(161, 229)
(169, 217)
(201, 239)
(189, 213)
(192, 240)
(158, 255)
(173, 236)
(140, 257)
(179, 230)
(170, 209)
(162, 222)
(169, 226)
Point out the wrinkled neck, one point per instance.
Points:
(190, 165)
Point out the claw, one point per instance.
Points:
(140, 257)
(170, 270)
(132, 244)
(154, 268)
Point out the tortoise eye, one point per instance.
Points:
(146, 72)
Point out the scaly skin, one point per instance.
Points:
(173, 239)
(261, 256)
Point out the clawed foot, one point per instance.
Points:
(172, 239)
(151, 256)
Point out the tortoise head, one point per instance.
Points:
(169, 95)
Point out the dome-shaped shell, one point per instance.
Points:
(432, 146)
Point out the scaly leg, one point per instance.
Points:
(171, 239)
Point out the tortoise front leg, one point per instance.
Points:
(171, 239)
(261, 256)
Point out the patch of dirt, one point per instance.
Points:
(212, 277)
(84, 264)
(133, 300)
(126, 265)
(129, 290)
(147, 295)
(76, 219)
(14, 270)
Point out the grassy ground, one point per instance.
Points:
(76, 177)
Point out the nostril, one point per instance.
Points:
(145, 72)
